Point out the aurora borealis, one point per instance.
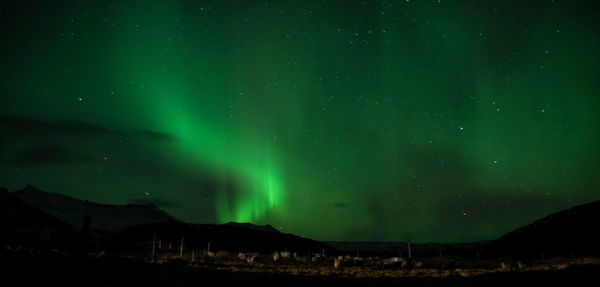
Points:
(336, 120)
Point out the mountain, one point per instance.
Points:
(33, 213)
(572, 233)
(568, 233)
(266, 227)
(22, 223)
(104, 217)
(226, 237)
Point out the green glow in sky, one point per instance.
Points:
(336, 120)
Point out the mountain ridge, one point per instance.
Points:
(105, 217)
(68, 213)
(568, 232)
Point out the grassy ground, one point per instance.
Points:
(33, 268)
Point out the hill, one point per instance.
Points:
(105, 217)
(34, 215)
(24, 224)
(131, 228)
(222, 237)
(571, 233)
(568, 233)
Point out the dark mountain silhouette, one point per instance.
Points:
(131, 228)
(105, 217)
(568, 233)
(571, 233)
(33, 216)
(21, 223)
(265, 227)
(222, 237)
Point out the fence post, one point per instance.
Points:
(154, 248)
(181, 248)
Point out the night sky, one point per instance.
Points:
(336, 120)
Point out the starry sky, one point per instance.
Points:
(412, 120)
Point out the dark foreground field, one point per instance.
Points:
(55, 269)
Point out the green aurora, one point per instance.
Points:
(336, 120)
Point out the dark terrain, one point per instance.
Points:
(39, 269)
(43, 242)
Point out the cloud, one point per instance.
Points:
(27, 142)
(21, 126)
(43, 155)
(14, 126)
(151, 135)
(142, 159)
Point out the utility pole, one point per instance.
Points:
(181, 248)
(153, 248)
